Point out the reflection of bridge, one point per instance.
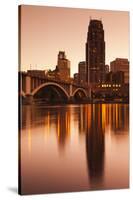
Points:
(38, 86)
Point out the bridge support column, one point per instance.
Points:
(28, 85)
(29, 99)
(71, 99)
(89, 93)
(70, 90)
(70, 94)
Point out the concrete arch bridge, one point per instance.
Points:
(34, 88)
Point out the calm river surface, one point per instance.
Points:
(74, 147)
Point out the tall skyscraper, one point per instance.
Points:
(95, 52)
(121, 64)
(82, 71)
(63, 66)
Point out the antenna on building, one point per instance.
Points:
(30, 66)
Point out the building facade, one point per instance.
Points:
(36, 72)
(76, 78)
(107, 68)
(115, 77)
(95, 52)
(82, 71)
(63, 66)
(121, 64)
(53, 74)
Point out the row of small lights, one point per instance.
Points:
(109, 85)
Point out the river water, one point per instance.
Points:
(74, 148)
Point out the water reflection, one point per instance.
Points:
(119, 117)
(95, 141)
(62, 127)
(67, 140)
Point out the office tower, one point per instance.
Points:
(121, 64)
(115, 77)
(107, 68)
(63, 66)
(82, 71)
(95, 52)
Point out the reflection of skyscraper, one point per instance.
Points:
(82, 119)
(95, 52)
(63, 66)
(95, 145)
(63, 128)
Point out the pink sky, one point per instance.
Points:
(47, 30)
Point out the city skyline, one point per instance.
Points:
(39, 43)
(73, 127)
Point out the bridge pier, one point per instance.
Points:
(71, 99)
(29, 99)
(28, 85)
(70, 90)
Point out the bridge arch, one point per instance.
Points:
(79, 89)
(50, 84)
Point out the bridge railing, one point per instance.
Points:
(57, 80)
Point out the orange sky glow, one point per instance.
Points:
(47, 30)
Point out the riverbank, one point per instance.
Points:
(92, 101)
